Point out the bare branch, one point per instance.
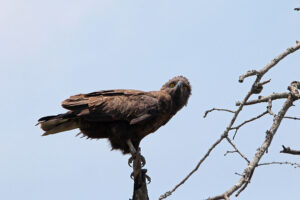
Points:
(276, 60)
(140, 191)
(288, 150)
(238, 174)
(247, 74)
(265, 82)
(226, 197)
(225, 134)
(279, 58)
(261, 99)
(246, 184)
(294, 118)
(248, 172)
(193, 171)
(217, 109)
(269, 109)
(247, 121)
(256, 87)
(237, 150)
(295, 165)
(228, 152)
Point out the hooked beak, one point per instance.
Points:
(179, 85)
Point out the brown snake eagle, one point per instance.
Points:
(124, 117)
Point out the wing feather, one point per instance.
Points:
(114, 105)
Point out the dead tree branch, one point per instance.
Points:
(217, 109)
(288, 150)
(248, 172)
(295, 165)
(247, 121)
(140, 191)
(294, 118)
(257, 87)
(169, 193)
(261, 99)
(237, 150)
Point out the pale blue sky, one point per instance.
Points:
(50, 50)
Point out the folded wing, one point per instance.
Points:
(114, 105)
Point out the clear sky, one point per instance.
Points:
(50, 50)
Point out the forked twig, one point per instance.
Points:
(237, 150)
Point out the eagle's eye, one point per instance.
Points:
(172, 85)
(185, 87)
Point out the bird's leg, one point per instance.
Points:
(131, 147)
(134, 153)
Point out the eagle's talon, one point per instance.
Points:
(143, 161)
(132, 175)
(130, 161)
(148, 178)
(132, 158)
(142, 158)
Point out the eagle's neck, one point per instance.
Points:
(176, 106)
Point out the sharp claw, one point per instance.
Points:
(143, 161)
(142, 158)
(132, 176)
(130, 161)
(148, 178)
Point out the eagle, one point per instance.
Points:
(124, 117)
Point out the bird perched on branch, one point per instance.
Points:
(124, 117)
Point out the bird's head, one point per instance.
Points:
(180, 90)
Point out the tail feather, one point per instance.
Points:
(57, 123)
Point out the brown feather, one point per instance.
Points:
(120, 115)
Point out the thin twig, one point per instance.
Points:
(273, 96)
(193, 171)
(295, 165)
(228, 152)
(269, 109)
(237, 150)
(280, 57)
(247, 121)
(294, 118)
(238, 174)
(217, 109)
